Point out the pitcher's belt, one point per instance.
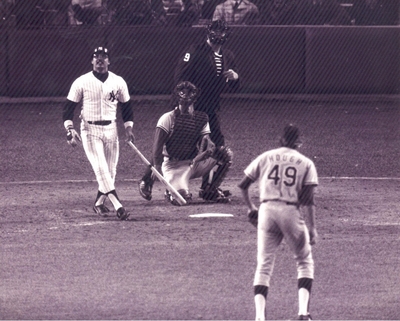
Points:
(287, 203)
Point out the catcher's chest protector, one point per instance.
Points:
(182, 143)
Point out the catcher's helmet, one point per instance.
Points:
(218, 32)
(290, 137)
(186, 92)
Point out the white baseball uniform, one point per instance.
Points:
(282, 173)
(98, 122)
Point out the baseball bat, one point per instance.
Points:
(172, 189)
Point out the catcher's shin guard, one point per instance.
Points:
(213, 180)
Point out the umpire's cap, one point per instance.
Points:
(290, 137)
(100, 50)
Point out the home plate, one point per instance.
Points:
(211, 215)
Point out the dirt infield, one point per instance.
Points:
(59, 261)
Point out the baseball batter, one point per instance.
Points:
(100, 92)
(182, 147)
(286, 180)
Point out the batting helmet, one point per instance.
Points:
(290, 137)
(218, 32)
(186, 92)
(100, 50)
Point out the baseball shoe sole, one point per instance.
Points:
(122, 214)
(101, 210)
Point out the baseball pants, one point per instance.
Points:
(102, 149)
(278, 220)
(178, 173)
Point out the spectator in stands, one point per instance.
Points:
(278, 12)
(172, 9)
(190, 13)
(375, 12)
(131, 12)
(237, 12)
(54, 12)
(173, 6)
(86, 12)
(321, 12)
(27, 14)
(35, 14)
(136, 12)
(208, 8)
(159, 14)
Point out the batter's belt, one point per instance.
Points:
(287, 203)
(101, 122)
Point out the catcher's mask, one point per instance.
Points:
(290, 137)
(186, 93)
(218, 32)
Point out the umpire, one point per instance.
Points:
(212, 69)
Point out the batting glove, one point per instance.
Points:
(129, 137)
(73, 137)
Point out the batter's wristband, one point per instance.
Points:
(68, 124)
(69, 135)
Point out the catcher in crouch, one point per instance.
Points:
(183, 150)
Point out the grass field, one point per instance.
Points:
(60, 261)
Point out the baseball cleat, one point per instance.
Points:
(122, 214)
(169, 198)
(305, 317)
(101, 210)
(186, 195)
(145, 190)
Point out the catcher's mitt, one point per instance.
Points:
(253, 217)
(206, 149)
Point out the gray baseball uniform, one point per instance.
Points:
(286, 181)
(282, 173)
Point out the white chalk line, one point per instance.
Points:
(24, 230)
(368, 222)
(227, 179)
(78, 224)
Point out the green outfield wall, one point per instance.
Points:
(276, 60)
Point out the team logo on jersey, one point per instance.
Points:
(113, 96)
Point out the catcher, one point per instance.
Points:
(183, 150)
